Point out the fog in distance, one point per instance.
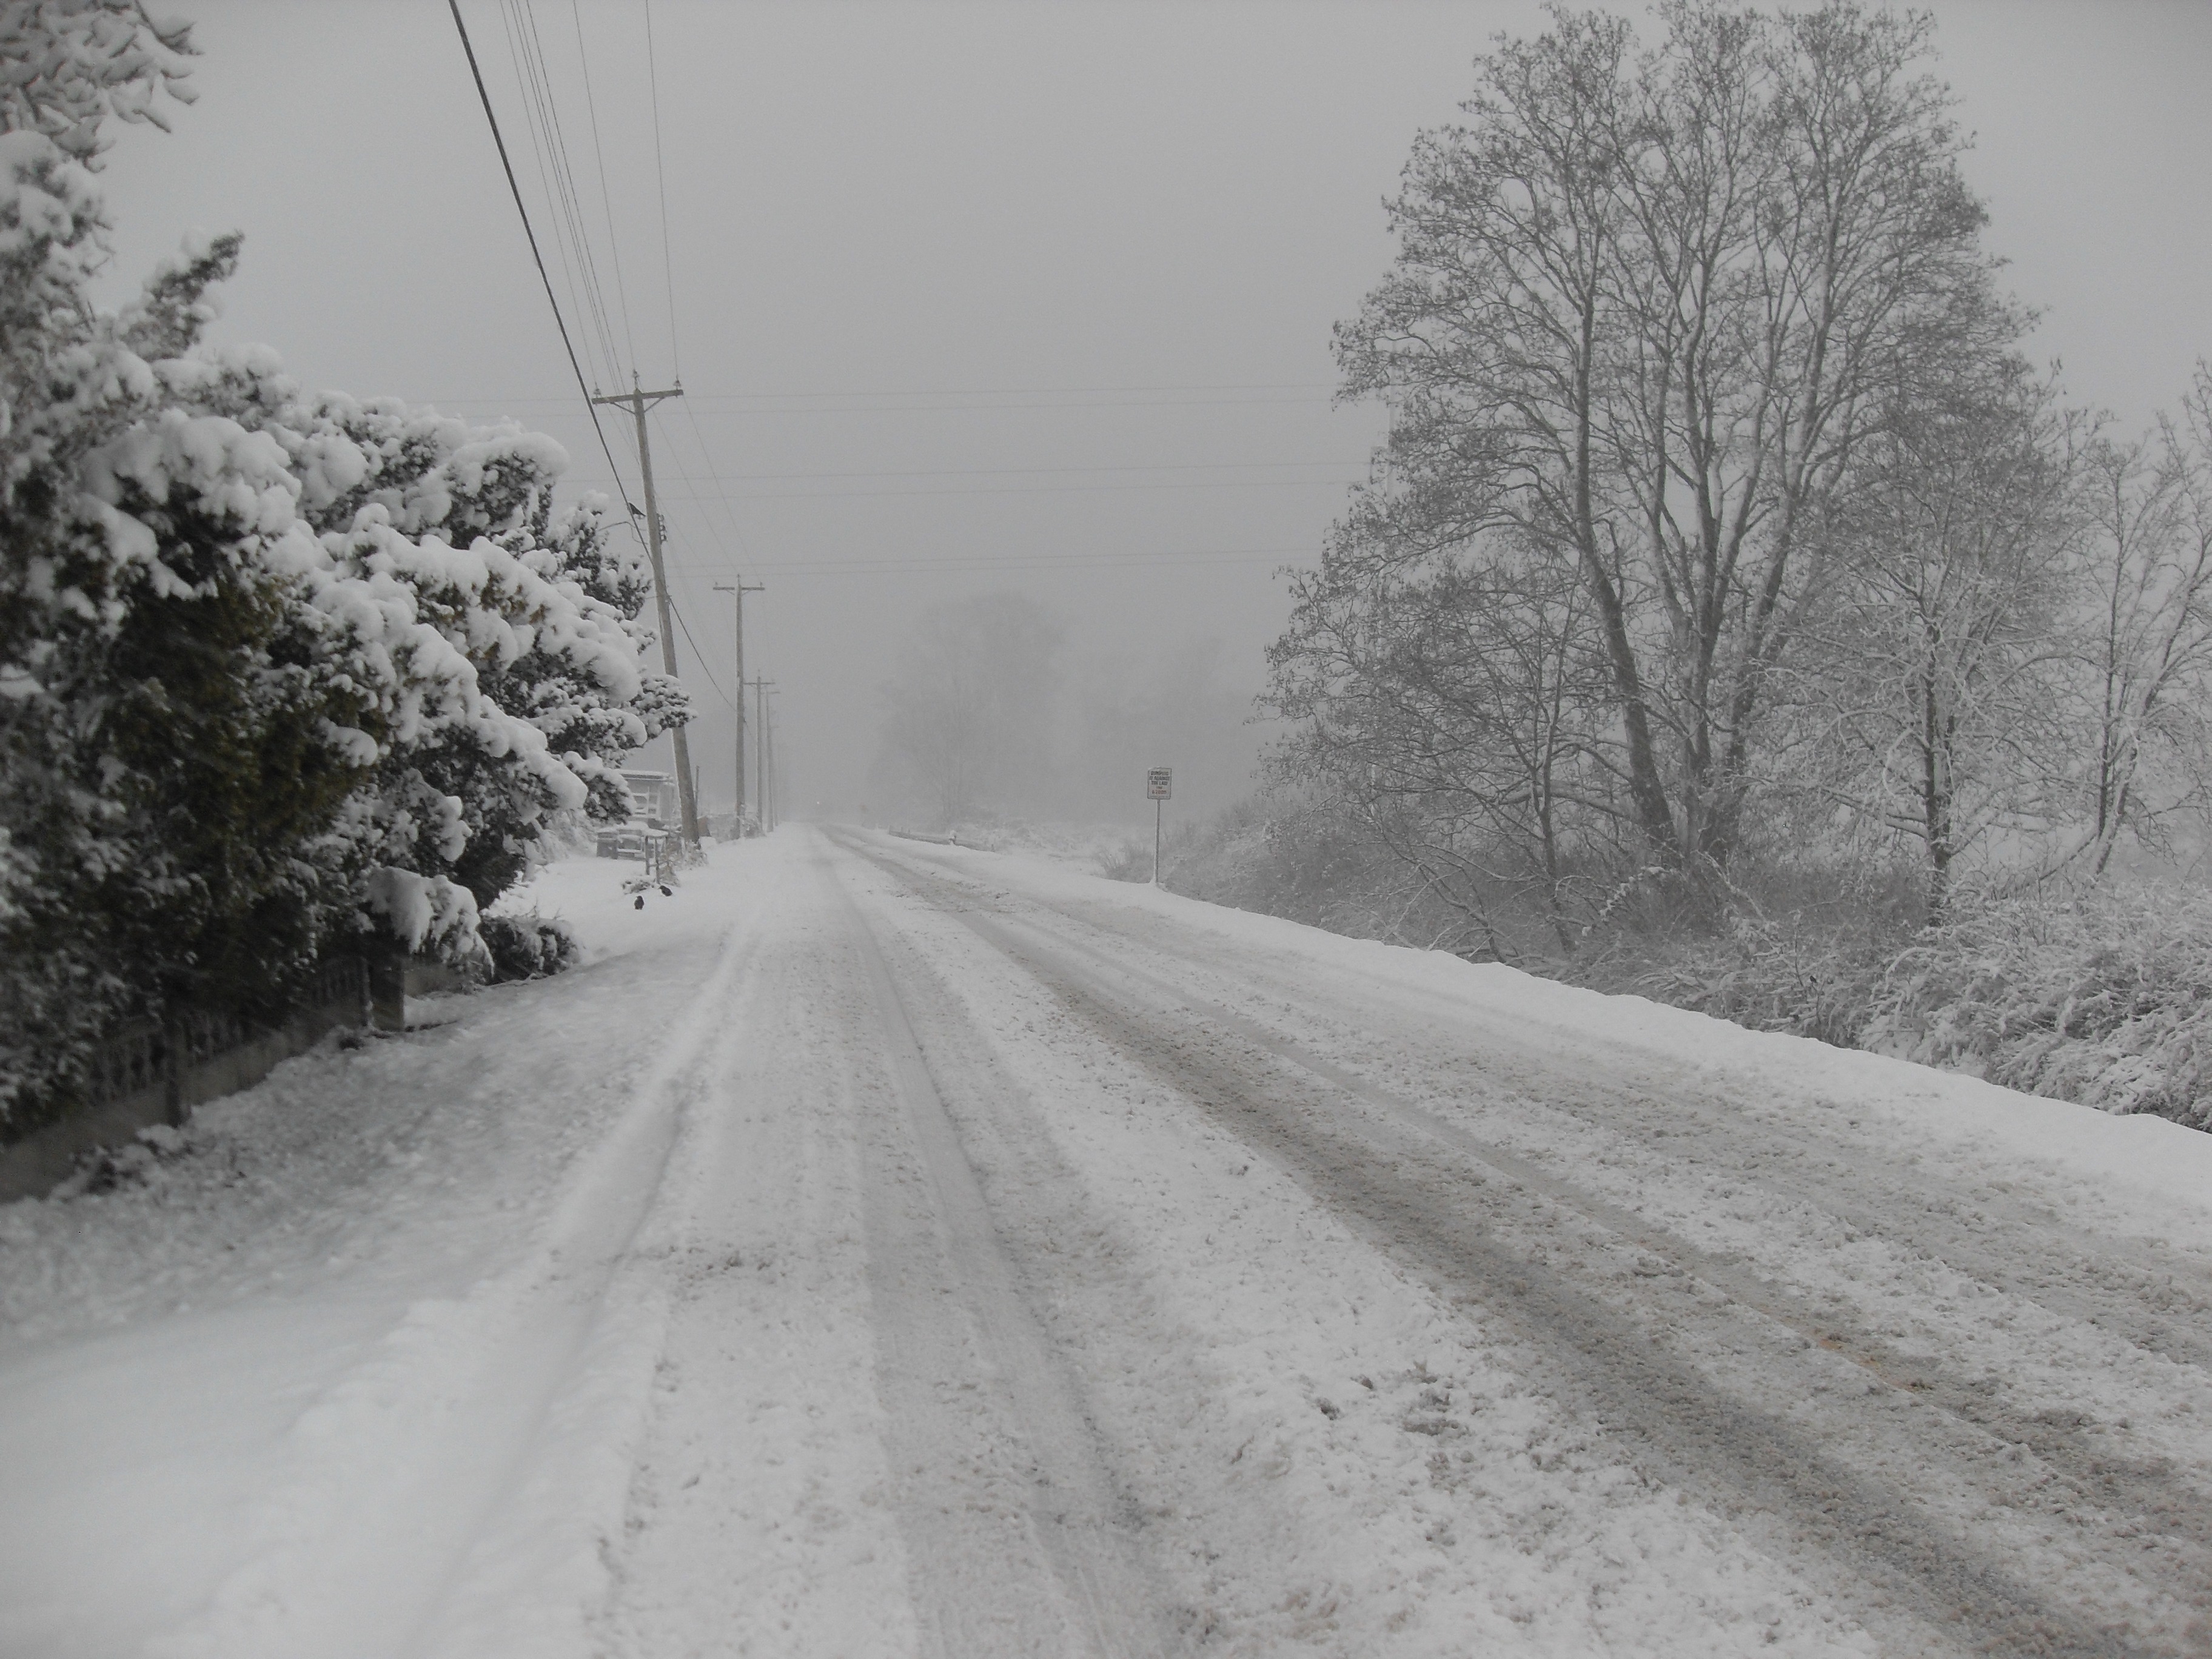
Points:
(1004, 330)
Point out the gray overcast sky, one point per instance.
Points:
(1032, 297)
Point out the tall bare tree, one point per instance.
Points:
(1647, 310)
(2143, 621)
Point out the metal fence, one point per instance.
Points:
(137, 1055)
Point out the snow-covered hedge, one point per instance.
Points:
(278, 669)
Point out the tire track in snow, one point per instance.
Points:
(1396, 1192)
(2036, 1256)
(2009, 1242)
(364, 1549)
(2091, 1479)
(962, 1362)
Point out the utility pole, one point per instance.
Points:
(737, 591)
(761, 774)
(637, 401)
(767, 738)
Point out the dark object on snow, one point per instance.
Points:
(668, 892)
(640, 905)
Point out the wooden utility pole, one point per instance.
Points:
(737, 591)
(637, 401)
(768, 741)
(762, 774)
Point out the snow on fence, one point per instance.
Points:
(150, 1072)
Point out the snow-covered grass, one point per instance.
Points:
(2100, 995)
(2105, 1000)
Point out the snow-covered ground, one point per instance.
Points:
(880, 1248)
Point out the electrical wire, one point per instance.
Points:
(599, 158)
(661, 172)
(590, 409)
(707, 454)
(1048, 390)
(706, 398)
(676, 457)
(576, 299)
(557, 203)
(1013, 471)
(529, 47)
(697, 655)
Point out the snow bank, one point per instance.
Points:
(2149, 1156)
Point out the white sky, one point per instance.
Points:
(918, 251)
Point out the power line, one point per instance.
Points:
(613, 470)
(892, 564)
(921, 565)
(553, 201)
(529, 47)
(697, 655)
(729, 515)
(933, 570)
(600, 159)
(707, 454)
(1041, 391)
(972, 408)
(661, 172)
(558, 199)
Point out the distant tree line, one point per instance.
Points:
(280, 673)
(1723, 525)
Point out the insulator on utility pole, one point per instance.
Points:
(637, 401)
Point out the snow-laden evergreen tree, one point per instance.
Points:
(276, 671)
(164, 770)
(542, 606)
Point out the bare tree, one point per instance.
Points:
(1451, 705)
(1941, 690)
(2144, 622)
(1645, 312)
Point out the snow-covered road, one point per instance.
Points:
(884, 1249)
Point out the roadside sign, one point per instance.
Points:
(1159, 783)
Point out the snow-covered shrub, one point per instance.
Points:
(528, 946)
(276, 670)
(174, 747)
(540, 687)
(1789, 975)
(2104, 998)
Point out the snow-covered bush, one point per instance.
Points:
(528, 946)
(67, 66)
(2104, 998)
(173, 747)
(276, 671)
(1787, 975)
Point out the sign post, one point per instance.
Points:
(1159, 784)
